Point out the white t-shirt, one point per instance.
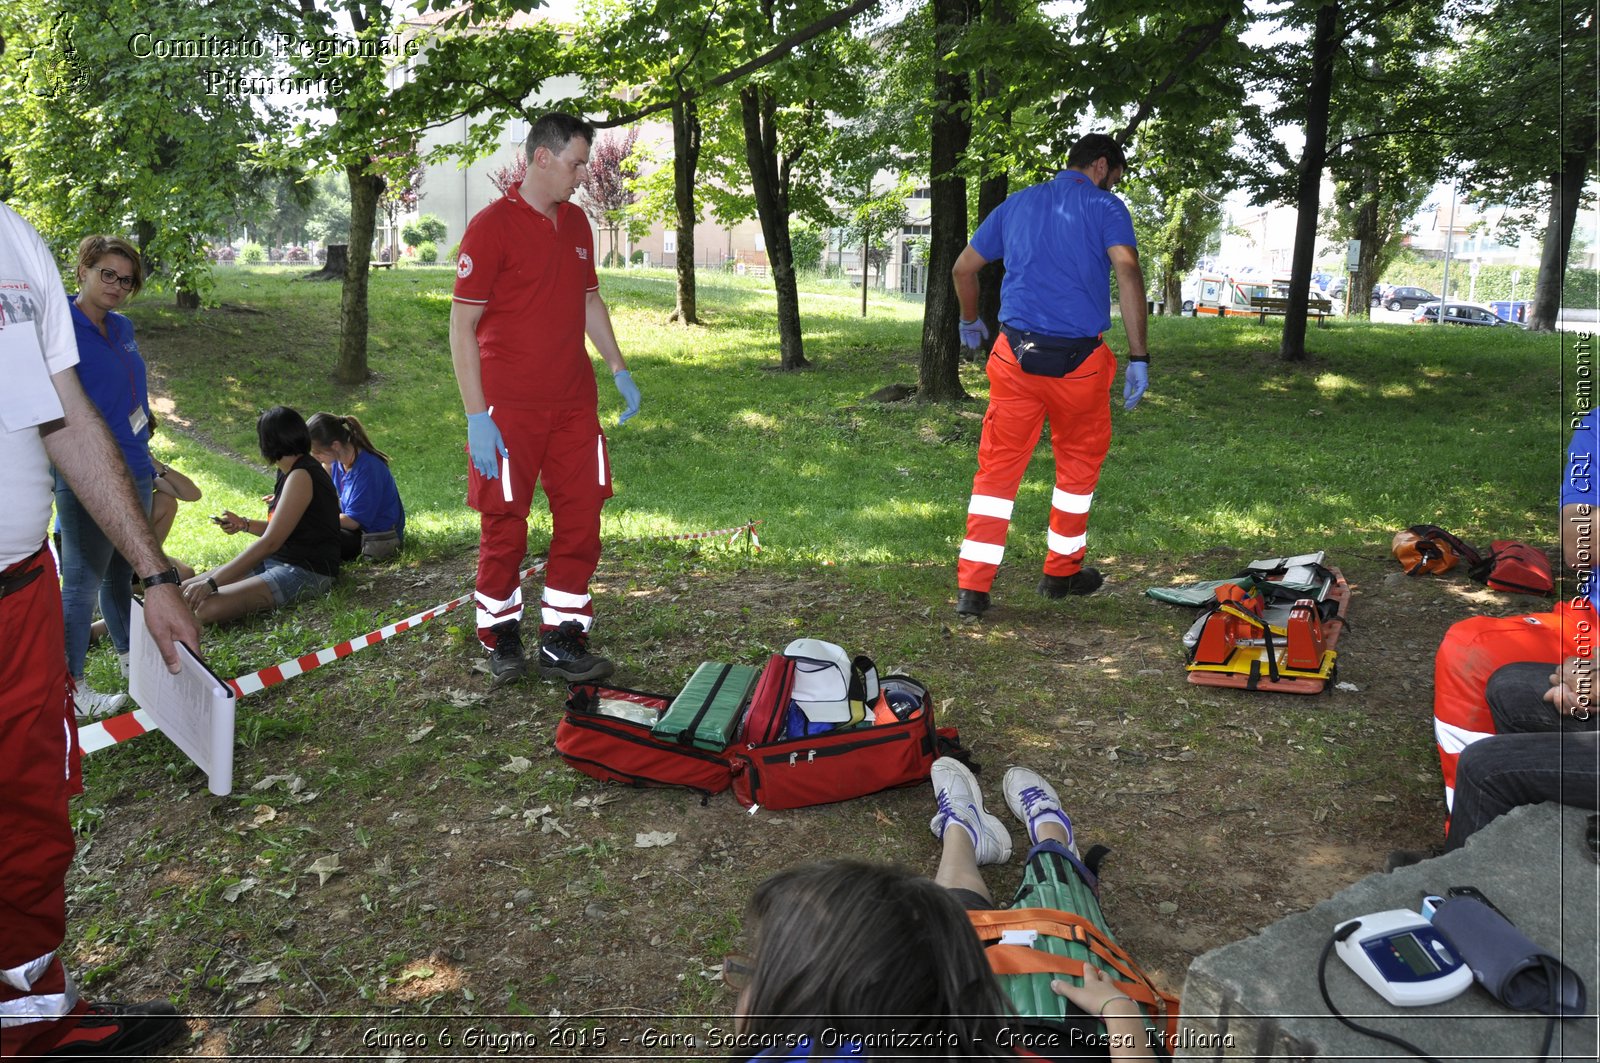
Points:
(36, 341)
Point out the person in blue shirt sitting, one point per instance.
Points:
(372, 519)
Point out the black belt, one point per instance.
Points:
(19, 575)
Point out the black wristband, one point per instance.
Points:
(1139, 358)
(169, 576)
(211, 581)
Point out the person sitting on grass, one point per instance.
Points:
(297, 552)
(850, 958)
(372, 519)
(170, 488)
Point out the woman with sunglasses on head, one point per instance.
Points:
(372, 519)
(296, 554)
(113, 375)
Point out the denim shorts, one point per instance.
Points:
(290, 583)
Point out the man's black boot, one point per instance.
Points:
(1084, 581)
(564, 654)
(506, 664)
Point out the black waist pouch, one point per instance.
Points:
(1041, 354)
(1515, 971)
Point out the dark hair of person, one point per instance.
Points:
(281, 432)
(848, 949)
(91, 249)
(326, 428)
(554, 131)
(1096, 146)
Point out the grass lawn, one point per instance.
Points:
(456, 895)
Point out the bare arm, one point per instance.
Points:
(465, 357)
(81, 447)
(1130, 296)
(597, 323)
(292, 504)
(965, 276)
(172, 482)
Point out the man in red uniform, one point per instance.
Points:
(46, 418)
(526, 293)
(1060, 241)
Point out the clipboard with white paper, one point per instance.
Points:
(194, 708)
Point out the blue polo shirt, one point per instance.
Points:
(113, 376)
(1581, 485)
(1054, 239)
(368, 493)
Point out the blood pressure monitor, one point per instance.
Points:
(1401, 956)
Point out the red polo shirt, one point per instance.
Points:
(530, 276)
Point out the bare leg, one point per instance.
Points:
(1050, 830)
(958, 863)
(249, 595)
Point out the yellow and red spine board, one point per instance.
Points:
(1261, 660)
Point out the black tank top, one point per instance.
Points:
(314, 542)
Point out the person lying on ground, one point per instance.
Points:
(296, 554)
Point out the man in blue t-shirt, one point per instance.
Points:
(1060, 241)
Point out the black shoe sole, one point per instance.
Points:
(598, 670)
(507, 677)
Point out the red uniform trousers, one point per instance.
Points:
(1474, 649)
(39, 763)
(564, 450)
(1079, 408)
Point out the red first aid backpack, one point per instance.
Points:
(1513, 565)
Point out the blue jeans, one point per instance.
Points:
(92, 569)
(290, 583)
(1537, 755)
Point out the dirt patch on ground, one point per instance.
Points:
(422, 855)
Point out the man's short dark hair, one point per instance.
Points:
(281, 432)
(555, 130)
(1096, 146)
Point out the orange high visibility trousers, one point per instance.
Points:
(1078, 406)
(1475, 648)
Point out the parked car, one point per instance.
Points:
(1405, 297)
(1458, 314)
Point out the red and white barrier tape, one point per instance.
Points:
(731, 533)
(108, 732)
(98, 735)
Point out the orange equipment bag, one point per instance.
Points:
(1429, 548)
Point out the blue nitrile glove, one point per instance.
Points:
(485, 445)
(630, 395)
(973, 333)
(1133, 388)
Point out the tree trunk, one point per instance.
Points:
(771, 186)
(365, 188)
(685, 161)
(938, 369)
(1319, 94)
(1359, 296)
(1566, 189)
(994, 188)
(334, 266)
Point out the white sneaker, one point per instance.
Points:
(956, 791)
(1031, 800)
(90, 703)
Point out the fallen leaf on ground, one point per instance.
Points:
(239, 889)
(324, 868)
(261, 972)
(517, 765)
(420, 733)
(649, 839)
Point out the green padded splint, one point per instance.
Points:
(707, 712)
(1051, 881)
